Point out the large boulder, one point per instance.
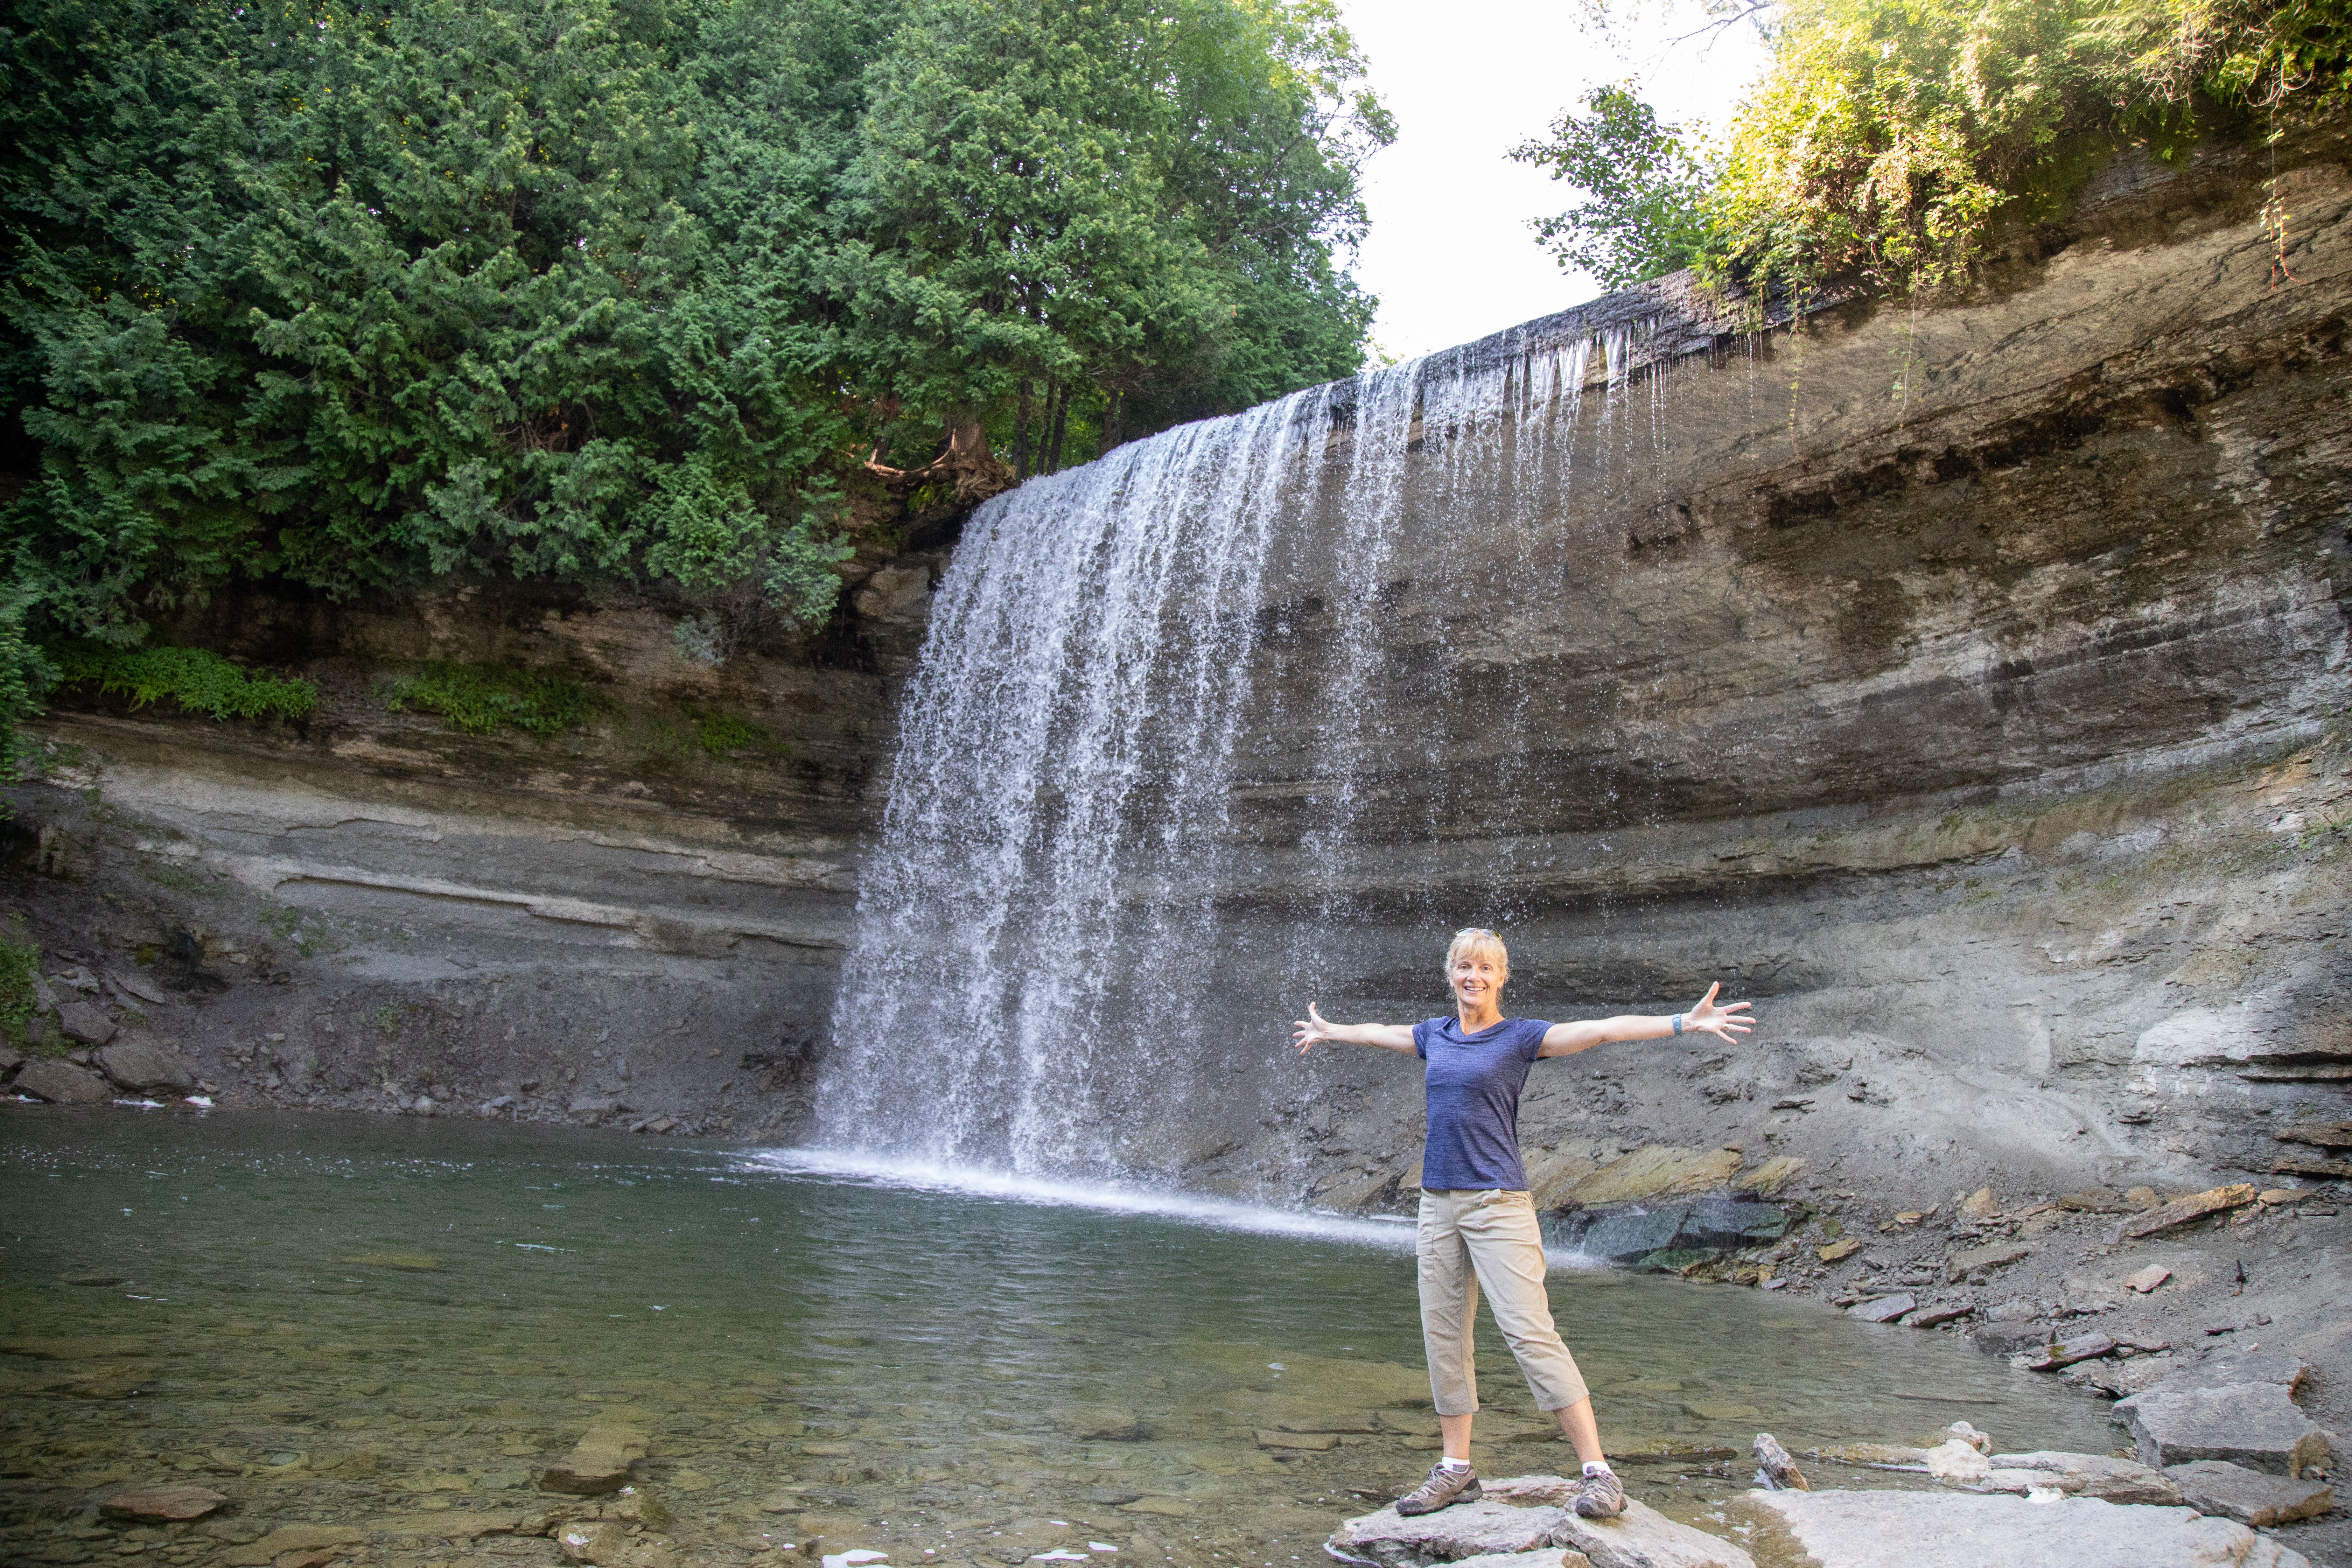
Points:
(1668, 1234)
(83, 1022)
(1641, 1537)
(1964, 1530)
(2256, 1424)
(147, 1065)
(61, 1082)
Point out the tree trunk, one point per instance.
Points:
(1020, 432)
(1059, 408)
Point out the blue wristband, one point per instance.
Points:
(1678, 1023)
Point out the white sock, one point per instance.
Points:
(1454, 1464)
(1598, 1468)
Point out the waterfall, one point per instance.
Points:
(1044, 932)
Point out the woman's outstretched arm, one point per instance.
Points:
(1315, 1026)
(1726, 1023)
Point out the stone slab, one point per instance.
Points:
(1966, 1529)
(2080, 1475)
(2252, 1424)
(1883, 1308)
(1642, 1537)
(1449, 1535)
(1549, 1557)
(2249, 1497)
(62, 1083)
(599, 1462)
(2184, 1211)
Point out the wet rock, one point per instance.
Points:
(2252, 1424)
(1668, 1236)
(2184, 1211)
(1963, 1529)
(61, 1082)
(147, 1065)
(83, 1022)
(1876, 1456)
(2249, 1497)
(1780, 1469)
(1104, 1423)
(1449, 1535)
(599, 1463)
(1642, 1537)
(591, 1541)
(1310, 1442)
(289, 1537)
(151, 1504)
(1882, 1310)
(2067, 1352)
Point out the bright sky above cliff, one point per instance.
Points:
(1451, 255)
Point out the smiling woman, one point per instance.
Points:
(1477, 1222)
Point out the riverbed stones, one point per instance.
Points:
(147, 1065)
(1307, 1442)
(290, 1538)
(158, 1503)
(2249, 1497)
(599, 1463)
(1964, 1530)
(1466, 1530)
(61, 1082)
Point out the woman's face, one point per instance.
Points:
(1477, 978)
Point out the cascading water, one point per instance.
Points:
(1048, 914)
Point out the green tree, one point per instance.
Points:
(1646, 187)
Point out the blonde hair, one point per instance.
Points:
(1472, 939)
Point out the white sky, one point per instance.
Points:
(1450, 253)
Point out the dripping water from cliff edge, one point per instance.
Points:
(1045, 930)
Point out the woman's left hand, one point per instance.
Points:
(1725, 1023)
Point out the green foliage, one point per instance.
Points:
(23, 675)
(198, 680)
(719, 733)
(356, 296)
(1890, 139)
(1645, 185)
(18, 956)
(480, 698)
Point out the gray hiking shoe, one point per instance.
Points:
(1443, 1488)
(1603, 1497)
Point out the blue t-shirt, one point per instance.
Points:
(1474, 1083)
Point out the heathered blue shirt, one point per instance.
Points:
(1474, 1082)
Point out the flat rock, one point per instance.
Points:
(1642, 1537)
(598, 1463)
(2080, 1475)
(62, 1083)
(162, 1502)
(1657, 1170)
(289, 1537)
(2252, 1424)
(82, 1022)
(2245, 1366)
(1549, 1557)
(1884, 1310)
(2184, 1211)
(2149, 1279)
(2067, 1352)
(1449, 1535)
(2249, 1497)
(1992, 1255)
(1966, 1529)
(139, 988)
(145, 1065)
(449, 1526)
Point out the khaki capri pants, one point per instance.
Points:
(1466, 1240)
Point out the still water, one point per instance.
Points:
(394, 1322)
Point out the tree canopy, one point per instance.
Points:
(1890, 139)
(355, 295)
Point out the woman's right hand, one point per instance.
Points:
(1305, 1032)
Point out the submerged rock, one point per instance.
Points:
(162, 1502)
(288, 1538)
(599, 1463)
(1961, 1530)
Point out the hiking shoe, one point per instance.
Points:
(1603, 1497)
(1443, 1488)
